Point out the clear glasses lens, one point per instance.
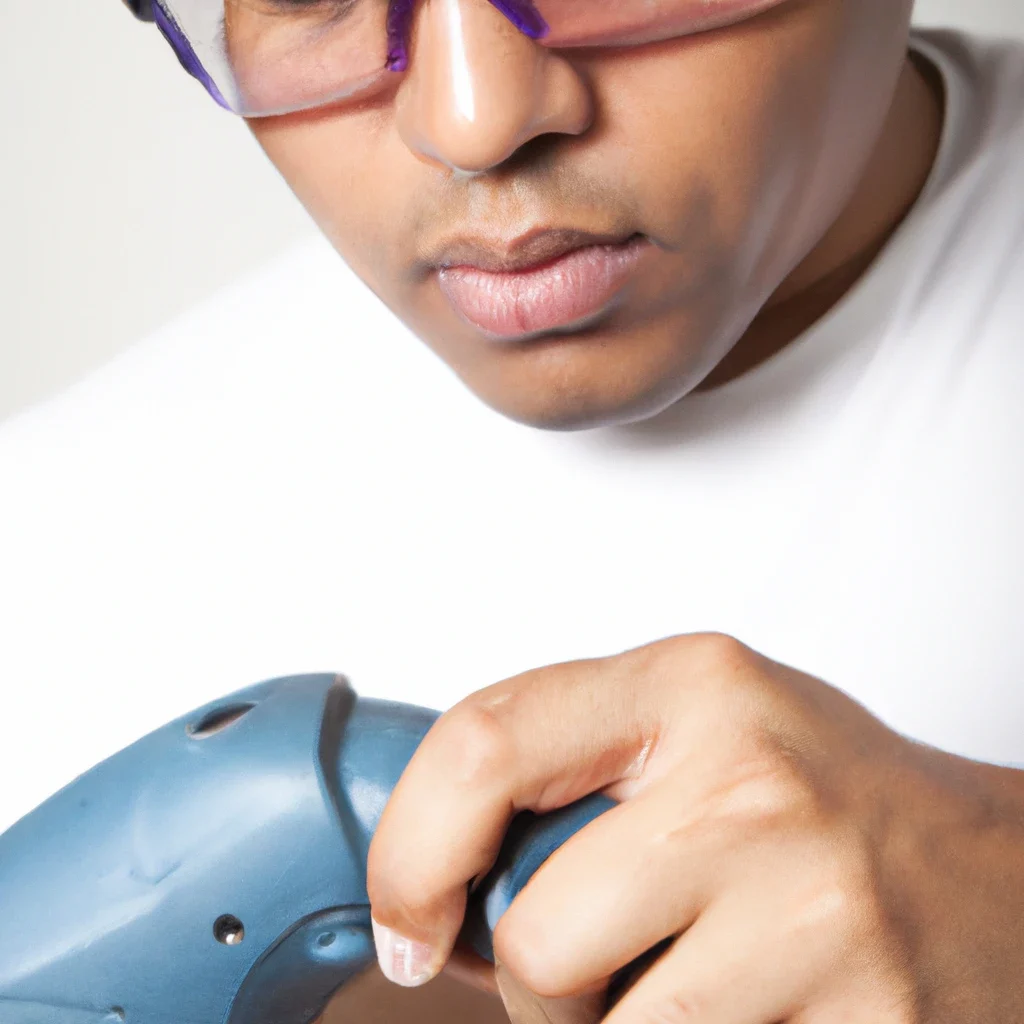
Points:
(262, 57)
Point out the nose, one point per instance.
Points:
(478, 89)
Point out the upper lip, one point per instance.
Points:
(529, 250)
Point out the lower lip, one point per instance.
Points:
(573, 288)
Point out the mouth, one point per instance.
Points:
(546, 281)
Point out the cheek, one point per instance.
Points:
(744, 145)
(341, 170)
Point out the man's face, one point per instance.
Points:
(718, 159)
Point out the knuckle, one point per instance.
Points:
(731, 677)
(722, 652)
(706, 651)
(758, 799)
(716, 665)
(398, 902)
(843, 902)
(858, 897)
(532, 956)
(405, 892)
(767, 792)
(477, 744)
(827, 909)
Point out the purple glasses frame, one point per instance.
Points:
(522, 13)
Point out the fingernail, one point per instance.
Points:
(403, 961)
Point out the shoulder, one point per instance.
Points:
(984, 79)
(154, 512)
(966, 234)
(245, 345)
(995, 63)
(298, 348)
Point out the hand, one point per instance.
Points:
(805, 862)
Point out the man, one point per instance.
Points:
(756, 269)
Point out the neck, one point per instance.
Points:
(895, 177)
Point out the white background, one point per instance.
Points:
(126, 195)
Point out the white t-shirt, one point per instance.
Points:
(287, 480)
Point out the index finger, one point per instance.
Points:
(536, 742)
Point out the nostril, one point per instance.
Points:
(218, 720)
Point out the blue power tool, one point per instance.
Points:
(215, 871)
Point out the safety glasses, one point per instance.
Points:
(264, 57)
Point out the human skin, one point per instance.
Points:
(766, 161)
(805, 863)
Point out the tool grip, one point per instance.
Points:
(531, 839)
(214, 872)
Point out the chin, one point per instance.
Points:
(561, 415)
(588, 381)
(575, 404)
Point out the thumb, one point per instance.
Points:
(526, 1007)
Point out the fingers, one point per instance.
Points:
(526, 1007)
(753, 957)
(537, 742)
(638, 874)
(643, 872)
